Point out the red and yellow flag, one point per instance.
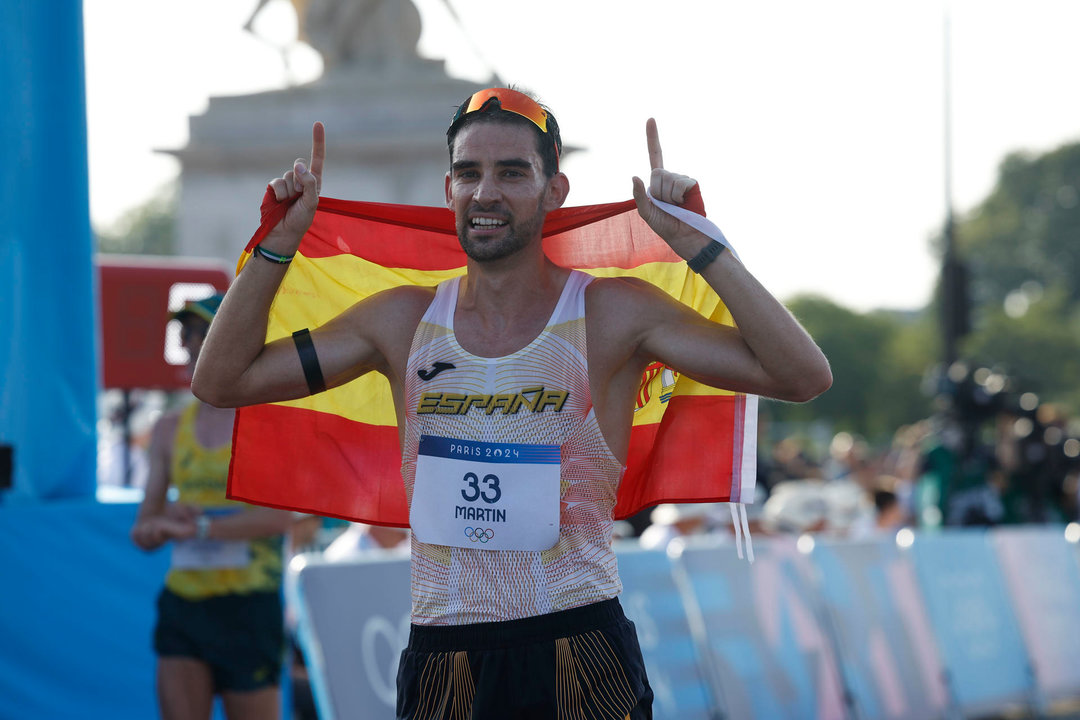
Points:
(337, 453)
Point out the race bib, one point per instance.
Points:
(209, 554)
(488, 496)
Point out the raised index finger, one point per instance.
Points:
(656, 155)
(318, 150)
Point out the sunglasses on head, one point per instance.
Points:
(506, 99)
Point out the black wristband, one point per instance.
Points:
(708, 253)
(309, 361)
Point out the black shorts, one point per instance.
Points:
(583, 662)
(241, 637)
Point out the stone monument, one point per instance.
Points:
(385, 110)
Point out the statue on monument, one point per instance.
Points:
(388, 106)
(379, 35)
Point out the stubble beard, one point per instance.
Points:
(517, 236)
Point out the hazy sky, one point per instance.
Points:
(815, 128)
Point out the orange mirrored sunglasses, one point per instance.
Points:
(510, 100)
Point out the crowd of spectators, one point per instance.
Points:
(1019, 464)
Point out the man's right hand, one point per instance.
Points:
(299, 186)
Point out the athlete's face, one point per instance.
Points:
(497, 190)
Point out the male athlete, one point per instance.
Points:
(527, 624)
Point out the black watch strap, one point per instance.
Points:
(708, 253)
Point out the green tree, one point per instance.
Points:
(1038, 349)
(149, 229)
(1028, 229)
(1022, 246)
(878, 361)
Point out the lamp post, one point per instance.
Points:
(955, 321)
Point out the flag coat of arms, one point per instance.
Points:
(337, 453)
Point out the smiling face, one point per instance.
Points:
(497, 190)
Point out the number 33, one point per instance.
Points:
(491, 492)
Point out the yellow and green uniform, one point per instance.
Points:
(199, 475)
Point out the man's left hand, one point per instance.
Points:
(671, 188)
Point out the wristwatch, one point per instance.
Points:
(202, 527)
(708, 253)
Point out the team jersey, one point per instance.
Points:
(536, 400)
(207, 568)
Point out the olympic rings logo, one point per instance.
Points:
(479, 534)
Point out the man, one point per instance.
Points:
(533, 625)
(220, 623)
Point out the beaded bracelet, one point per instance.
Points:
(273, 256)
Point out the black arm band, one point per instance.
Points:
(708, 253)
(309, 361)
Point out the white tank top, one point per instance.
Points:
(495, 400)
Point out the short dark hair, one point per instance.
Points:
(884, 499)
(548, 144)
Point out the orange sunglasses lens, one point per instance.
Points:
(510, 100)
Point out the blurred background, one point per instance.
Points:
(906, 177)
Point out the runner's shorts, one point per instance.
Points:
(584, 662)
(241, 637)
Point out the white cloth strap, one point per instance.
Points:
(742, 531)
(699, 222)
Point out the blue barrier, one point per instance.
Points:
(1046, 611)
(655, 604)
(353, 623)
(765, 633)
(978, 637)
(842, 630)
(890, 664)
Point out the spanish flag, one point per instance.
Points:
(337, 453)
